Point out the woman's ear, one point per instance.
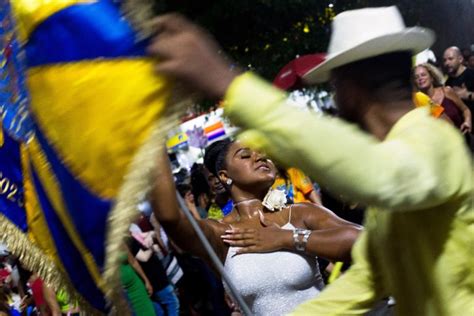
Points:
(223, 176)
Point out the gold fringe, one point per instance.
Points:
(136, 185)
(139, 13)
(33, 259)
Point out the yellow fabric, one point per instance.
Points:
(64, 302)
(301, 184)
(336, 272)
(30, 13)
(418, 243)
(37, 227)
(54, 193)
(2, 139)
(85, 109)
(215, 212)
(420, 99)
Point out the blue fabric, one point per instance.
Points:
(13, 92)
(87, 211)
(228, 207)
(11, 182)
(80, 32)
(158, 309)
(168, 303)
(68, 254)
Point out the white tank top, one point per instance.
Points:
(274, 283)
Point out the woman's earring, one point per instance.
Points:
(229, 181)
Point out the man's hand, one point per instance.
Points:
(189, 54)
(466, 127)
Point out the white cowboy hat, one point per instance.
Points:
(364, 33)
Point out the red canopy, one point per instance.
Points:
(290, 76)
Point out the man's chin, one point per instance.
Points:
(220, 190)
(351, 118)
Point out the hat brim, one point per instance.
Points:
(414, 39)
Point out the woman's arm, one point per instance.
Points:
(144, 255)
(331, 237)
(314, 197)
(136, 266)
(179, 229)
(51, 301)
(466, 126)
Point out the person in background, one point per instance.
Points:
(165, 300)
(4, 307)
(222, 204)
(466, 52)
(200, 187)
(166, 252)
(203, 292)
(429, 81)
(460, 78)
(470, 62)
(138, 290)
(185, 190)
(296, 185)
(37, 285)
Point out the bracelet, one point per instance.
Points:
(300, 238)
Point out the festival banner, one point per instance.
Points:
(90, 131)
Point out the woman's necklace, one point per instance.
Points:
(245, 201)
(237, 217)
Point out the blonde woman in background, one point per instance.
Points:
(428, 80)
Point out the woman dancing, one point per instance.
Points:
(268, 249)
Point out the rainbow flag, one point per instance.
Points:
(214, 130)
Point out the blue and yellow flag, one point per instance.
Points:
(94, 101)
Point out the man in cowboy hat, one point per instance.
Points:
(414, 172)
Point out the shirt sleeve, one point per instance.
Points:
(419, 168)
(354, 293)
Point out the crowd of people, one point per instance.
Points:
(23, 292)
(413, 172)
(278, 231)
(452, 92)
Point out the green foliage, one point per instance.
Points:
(264, 35)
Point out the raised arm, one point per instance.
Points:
(402, 174)
(177, 226)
